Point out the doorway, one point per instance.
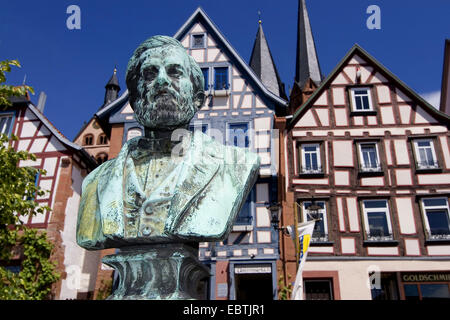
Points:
(254, 286)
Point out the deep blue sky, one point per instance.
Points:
(73, 66)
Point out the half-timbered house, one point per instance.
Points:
(66, 164)
(239, 109)
(374, 157)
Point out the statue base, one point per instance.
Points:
(159, 272)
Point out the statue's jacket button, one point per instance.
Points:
(153, 216)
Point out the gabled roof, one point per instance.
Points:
(262, 63)
(307, 63)
(103, 114)
(356, 49)
(61, 138)
(199, 14)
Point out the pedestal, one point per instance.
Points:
(159, 272)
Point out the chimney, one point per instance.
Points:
(41, 102)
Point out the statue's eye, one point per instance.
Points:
(150, 73)
(174, 71)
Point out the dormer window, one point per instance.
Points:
(361, 99)
(102, 139)
(88, 140)
(198, 41)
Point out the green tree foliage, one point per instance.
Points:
(18, 192)
(7, 91)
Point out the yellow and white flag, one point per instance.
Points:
(305, 231)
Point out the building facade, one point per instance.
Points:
(239, 110)
(374, 156)
(66, 164)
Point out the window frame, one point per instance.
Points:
(228, 85)
(12, 116)
(417, 157)
(361, 169)
(302, 159)
(324, 212)
(387, 211)
(99, 142)
(352, 99)
(248, 135)
(193, 35)
(426, 224)
(89, 135)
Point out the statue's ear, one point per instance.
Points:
(199, 99)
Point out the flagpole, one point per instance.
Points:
(296, 236)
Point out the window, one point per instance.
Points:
(368, 158)
(318, 289)
(6, 124)
(88, 140)
(205, 72)
(361, 100)
(438, 291)
(425, 154)
(436, 212)
(198, 41)
(102, 157)
(196, 127)
(102, 139)
(245, 215)
(238, 135)
(221, 78)
(310, 159)
(376, 220)
(320, 233)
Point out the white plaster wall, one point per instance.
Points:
(322, 100)
(343, 158)
(323, 116)
(401, 152)
(50, 166)
(405, 113)
(352, 214)
(307, 120)
(405, 215)
(29, 129)
(81, 273)
(446, 151)
(38, 145)
(383, 94)
(433, 178)
(412, 247)
(338, 96)
(262, 217)
(341, 116)
(403, 177)
(341, 178)
(387, 115)
(348, 245)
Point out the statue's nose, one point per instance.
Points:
(162, 78)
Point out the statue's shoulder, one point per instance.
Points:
(98, 173)
(228, 155)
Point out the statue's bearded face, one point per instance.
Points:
(165, 97)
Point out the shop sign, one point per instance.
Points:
(426, 277)
(264, 268)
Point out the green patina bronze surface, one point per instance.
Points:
(169, 186)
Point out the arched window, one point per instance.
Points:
(101, 157)
(102, 139)
(88, 140)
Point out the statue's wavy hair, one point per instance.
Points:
(134, 66)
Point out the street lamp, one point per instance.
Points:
(313, 211)
(275, 214)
